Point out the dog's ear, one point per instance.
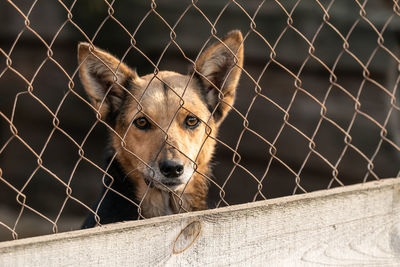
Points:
(104, 78)
(218, 69)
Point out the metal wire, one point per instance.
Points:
(272, 157)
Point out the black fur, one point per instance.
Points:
(115, 208)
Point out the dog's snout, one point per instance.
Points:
(171, 169)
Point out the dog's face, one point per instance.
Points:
(163, 126)
(167, 129)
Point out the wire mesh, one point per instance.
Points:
(317, 104)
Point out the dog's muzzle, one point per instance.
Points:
(169, 174)
(171, 169)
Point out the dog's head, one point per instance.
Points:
(162, 126)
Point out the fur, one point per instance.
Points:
(161, 166)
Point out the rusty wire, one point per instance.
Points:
(259, 92)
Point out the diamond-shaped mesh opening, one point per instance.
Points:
(317, 106)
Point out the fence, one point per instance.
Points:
(316, 107)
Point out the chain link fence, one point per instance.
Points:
(317, 104)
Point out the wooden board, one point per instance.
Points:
(351, 225)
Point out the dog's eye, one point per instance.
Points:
(192, 122)
(142, 123)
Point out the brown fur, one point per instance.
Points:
(119, 95)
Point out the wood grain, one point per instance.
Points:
(355, 225)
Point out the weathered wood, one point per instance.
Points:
(352, 225)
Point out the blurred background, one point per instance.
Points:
(274, 156)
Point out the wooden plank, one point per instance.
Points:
(351, 225)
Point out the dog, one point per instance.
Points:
(162, 129)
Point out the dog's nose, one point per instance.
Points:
(170, 169)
